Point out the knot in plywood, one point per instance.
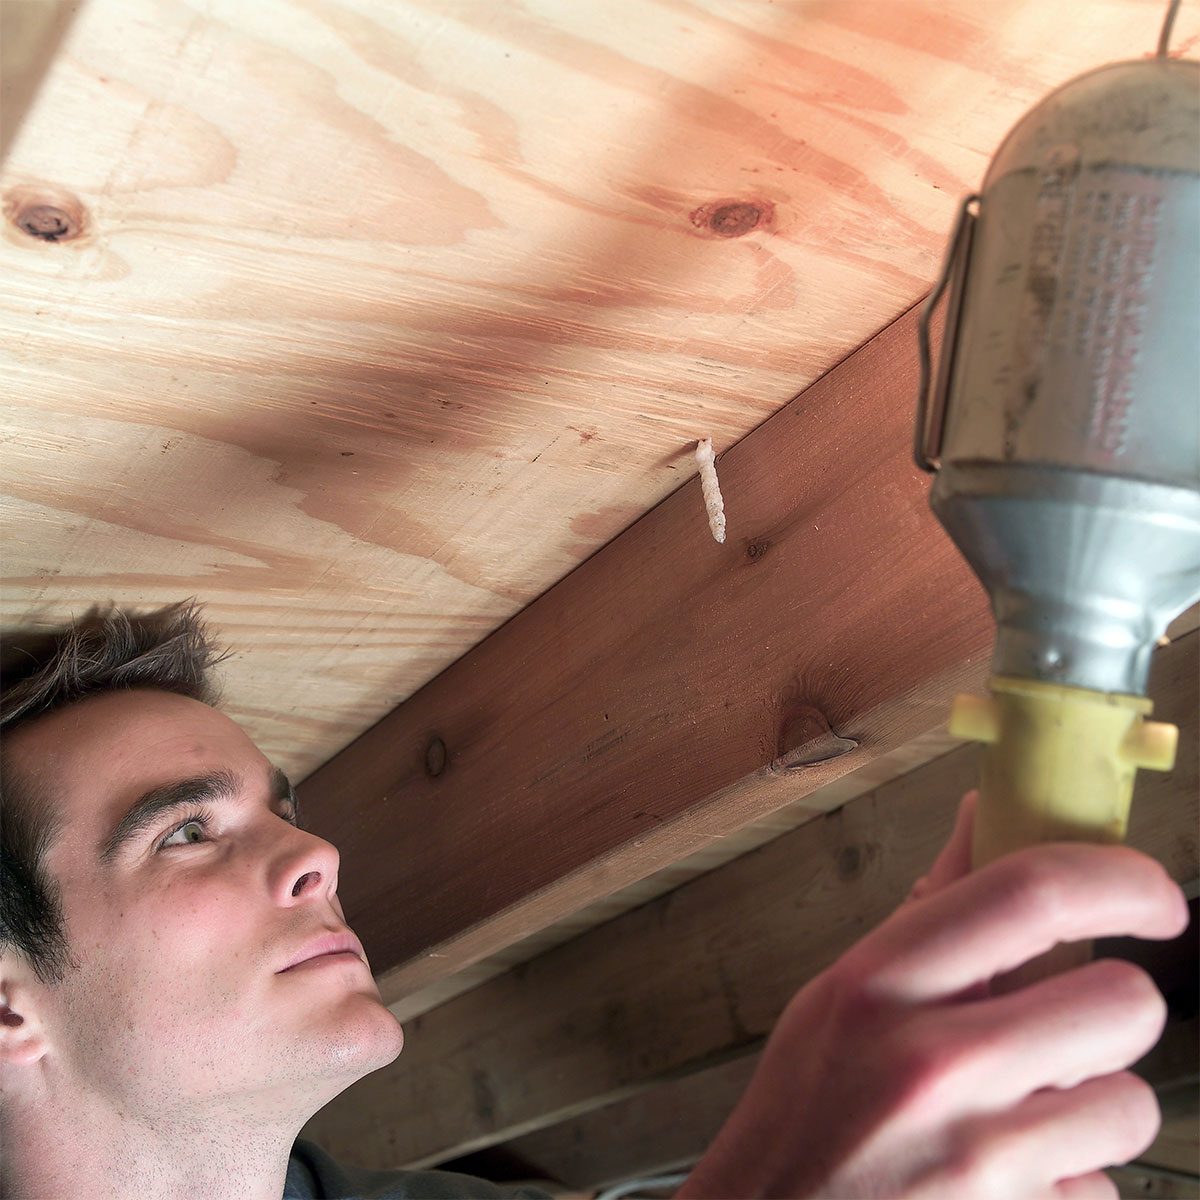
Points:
(48, 214)
(733, 218)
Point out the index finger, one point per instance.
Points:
(1015, 909)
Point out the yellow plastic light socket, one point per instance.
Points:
(1058, 763)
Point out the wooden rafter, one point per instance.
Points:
(669, 1126)
(668, 691)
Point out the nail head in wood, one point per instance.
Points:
(807, 740)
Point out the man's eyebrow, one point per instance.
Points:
(148, 810)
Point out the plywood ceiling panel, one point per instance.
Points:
(373, 318)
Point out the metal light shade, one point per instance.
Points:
(1066, 417)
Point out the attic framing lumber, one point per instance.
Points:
(699, 976)
(669, 1126)
(668, 691)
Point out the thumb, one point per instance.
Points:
(955, 859)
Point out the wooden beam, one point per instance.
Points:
(700, 975)
(31, 32)
(668, 1126)
(877, 771)
(665, 1128)
(649, 703)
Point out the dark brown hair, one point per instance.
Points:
(43, 670)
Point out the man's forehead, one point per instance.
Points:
(128, 720)
(100, 754)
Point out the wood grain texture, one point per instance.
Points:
(871, 774)
(713, 854)
(700, 975)
(665, 1128)
(645, 707)
(379, 316)
(670, 1125)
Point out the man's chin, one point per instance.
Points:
(364, 1042)
(365, 1037)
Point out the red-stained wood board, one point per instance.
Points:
(641, 707)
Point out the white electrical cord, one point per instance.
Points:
(630, 1186)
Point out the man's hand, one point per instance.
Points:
(896, 1074)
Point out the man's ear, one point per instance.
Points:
(22, 1036)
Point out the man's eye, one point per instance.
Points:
(189, 833)
(195, 828)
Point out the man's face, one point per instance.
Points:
(179, 999)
